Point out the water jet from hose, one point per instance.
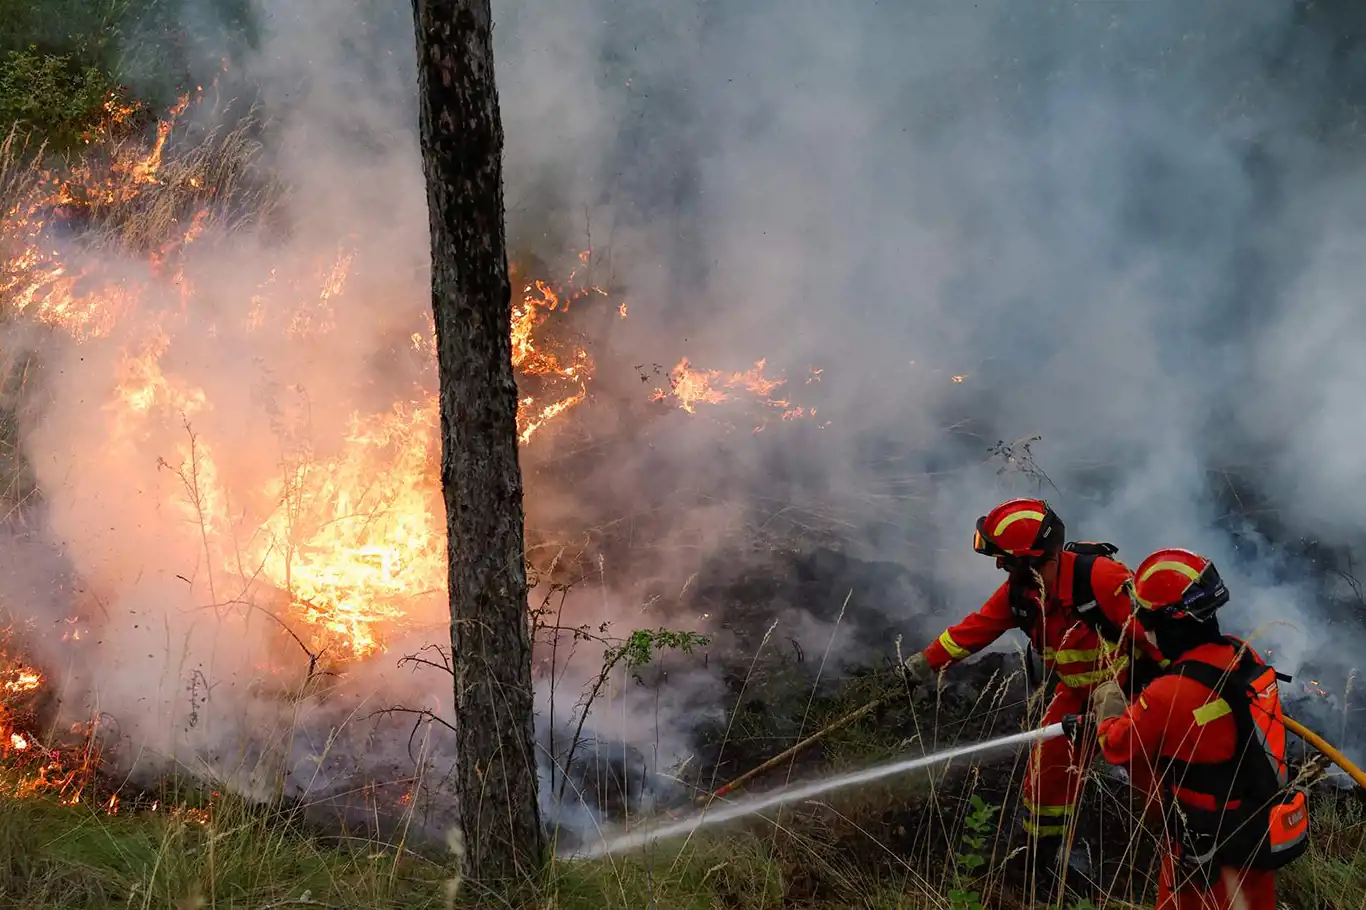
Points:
(758, 803)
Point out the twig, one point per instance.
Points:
(422, 714)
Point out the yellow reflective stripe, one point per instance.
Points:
(1181, 567)
(1050, 811)
(1076, 656)
(956, 651)
(1143, 702)
(1077, 680)
(1011, 519)
(1212, 711)
(1043, 830)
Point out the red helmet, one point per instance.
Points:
(1180, 584)
(1019, 528)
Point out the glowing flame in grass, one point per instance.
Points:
(691, 387)
(565, 370)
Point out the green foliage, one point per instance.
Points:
(641, 646)
(61, 60)
(977, 829)
(54, 96)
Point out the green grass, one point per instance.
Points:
(1333, 874)
(74, 856)
(77, 857)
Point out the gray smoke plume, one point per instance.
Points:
(1126, 229)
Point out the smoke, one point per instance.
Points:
(1125, 225)
(1126, 229)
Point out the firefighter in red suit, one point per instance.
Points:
(1074, 604)
(1207, 739)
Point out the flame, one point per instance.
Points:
(350, 538)
(567, 369)
(691, 387)
(345, 538)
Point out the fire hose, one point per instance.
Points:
(1318, 742)
(1294, 726)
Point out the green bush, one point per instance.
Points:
(53, 96)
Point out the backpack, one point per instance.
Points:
(1270, 826)
(1087, 609)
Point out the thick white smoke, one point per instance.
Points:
(1112, 222)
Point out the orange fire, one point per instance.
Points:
(691, 387)
(350, 536)
(341, 541)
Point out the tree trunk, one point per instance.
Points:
(462, 145)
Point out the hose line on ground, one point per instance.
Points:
(1318, 742)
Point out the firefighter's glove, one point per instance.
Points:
(916, 669)
(1107, 701)
(1076, 727)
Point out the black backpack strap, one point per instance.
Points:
(1229, 685)
(1234, 686)
(1022, 605)
(1084, 596)
(1090, 548)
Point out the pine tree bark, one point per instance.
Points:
(462, 145)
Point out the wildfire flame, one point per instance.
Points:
(347, 537)
(350, 537)
(691, 387)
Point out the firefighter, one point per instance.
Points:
(1207, 740)
(1074, 604)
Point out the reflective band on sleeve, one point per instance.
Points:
(1077, 680)
(956, 651)
(1012, 518)
(1076, 656)
(1212, 711)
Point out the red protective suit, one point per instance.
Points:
(1080, 658)
(1177, 719)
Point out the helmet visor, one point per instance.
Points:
(983, 544)
(1201, 598)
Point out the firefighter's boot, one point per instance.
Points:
(1051, 870)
